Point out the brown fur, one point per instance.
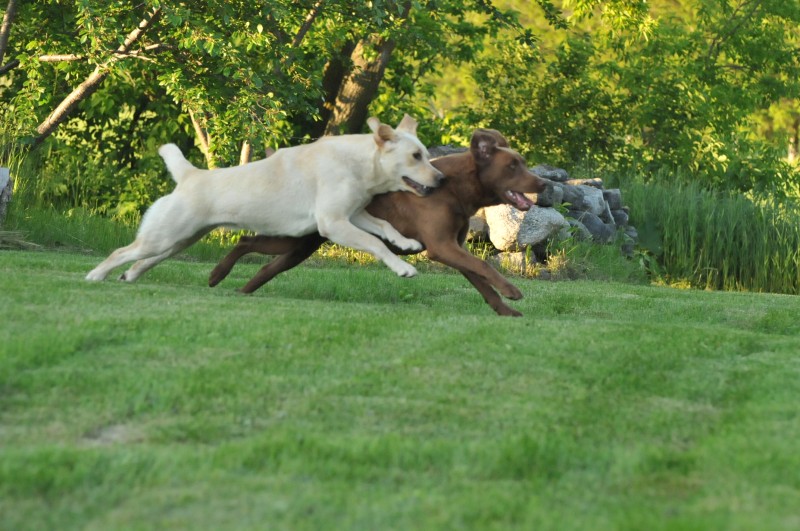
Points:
(474, 179)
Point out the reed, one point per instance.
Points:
(717, 240)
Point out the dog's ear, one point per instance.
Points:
(383, 133)
(408, 125)
(484, 144)
(497, 135)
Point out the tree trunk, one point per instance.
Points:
(246, 153)
(203, 139)
(5, 29)
(6, 190)
(348, 112)
(794, 141)
(359, 87)
(91, 83)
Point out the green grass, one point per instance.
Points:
(347, 398)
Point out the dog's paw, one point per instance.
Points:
(404, 269)
(94, 276)
(505, 311)
(216, 276)
(407, 244)
(511, 292)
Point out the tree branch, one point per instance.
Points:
(92, 83)
(55, 58)
(312, 15)
(5, 29)
(202, 138)
(8, 66)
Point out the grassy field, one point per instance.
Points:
(347, 398)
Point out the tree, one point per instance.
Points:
(677, 89)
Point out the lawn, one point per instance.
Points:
(346, 398)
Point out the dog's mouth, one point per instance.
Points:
(419, 189)
(518, 200)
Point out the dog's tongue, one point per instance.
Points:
(519, 200)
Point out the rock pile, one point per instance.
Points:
(590, 213)
(579, 208)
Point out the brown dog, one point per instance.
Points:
(488, 174)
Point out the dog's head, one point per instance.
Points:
(503, 170)
(403, 159)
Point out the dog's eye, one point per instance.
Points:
(418, 156)
(513, 165)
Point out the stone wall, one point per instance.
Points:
(6, 187)
(579, 208)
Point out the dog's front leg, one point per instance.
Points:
(341, 231)
(490, 296)
(451, 254)
(383, 229)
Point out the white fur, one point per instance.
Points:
(323, 186)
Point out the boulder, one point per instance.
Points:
(620, 218)
(550, 172)
(504, 222)
(582, 197)
(478, 228)
(579, 230)
(552, 195)
(613, 197)
(594, 183)
(6, 189)
(441, 151)
(601, 232)
(510, 229)
(539, 225)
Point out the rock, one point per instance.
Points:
(550, 172)
(478, 228)
(511, 229)
(504, 222)
(614, 198)
(6, 189)
(582, 197)
(552, 195)
(579, 230)
(539, 225)
(620, 217)
(441, 151)
(594, 183)
(601, 232)
(606, 216)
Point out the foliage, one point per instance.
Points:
(608, 406)
(217, 73)
(680, 91)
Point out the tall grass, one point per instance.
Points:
(718, 240)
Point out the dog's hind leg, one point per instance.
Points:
(123, 255)
(166, 228)
(304, 247)
(142, 266)
(272, 245)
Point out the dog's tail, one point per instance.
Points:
(176, 163)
